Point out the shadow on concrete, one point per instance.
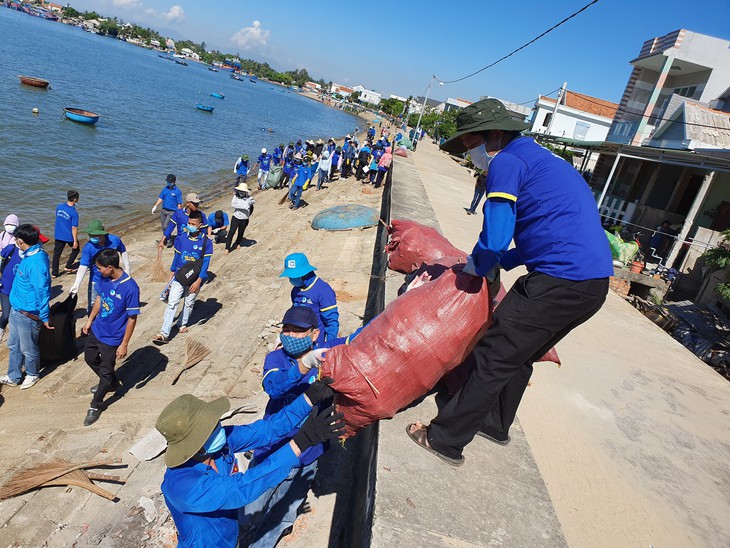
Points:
(140, 367)
(204, 311)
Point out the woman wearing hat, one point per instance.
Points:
(542, 202)
(203, 487)
(242, 205)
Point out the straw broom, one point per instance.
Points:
(158, 269)
(195, 352)
(36, 476)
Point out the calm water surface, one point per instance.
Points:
(149, 125)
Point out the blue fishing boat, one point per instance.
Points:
(81, 116)
(212, 69)
(204, 108)
(217, 95)
(253, 79)
(179, 62)
(236, 77)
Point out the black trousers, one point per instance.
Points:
(535, 315)
(58, 246)
(237, 225)
(101, 358)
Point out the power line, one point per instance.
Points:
(522, 46)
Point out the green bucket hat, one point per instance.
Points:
(96, 228)
(187, 422)
(481, 116)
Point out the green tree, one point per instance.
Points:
(109, 28)
(719, 259)
(68, 11)
(355, 97)
(393, 107)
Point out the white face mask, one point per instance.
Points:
(10, 228)
(480, 158)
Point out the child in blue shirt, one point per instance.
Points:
(171, 199)
(109, 327)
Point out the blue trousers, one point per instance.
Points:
(478, 194)
(295, 194)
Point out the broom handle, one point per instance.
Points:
(177, 375)
(105, 477)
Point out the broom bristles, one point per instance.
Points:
(158, 269)
(195, 352)
(284, 197)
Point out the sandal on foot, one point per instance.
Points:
(420, 437)
(160, 339)
(183, 329)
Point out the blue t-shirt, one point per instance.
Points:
(179, 220)
(189, 249)
(119, 302)
(66, 217)
(302, 174)
(11, 257)
(171, 197)
(214, 224)
(89, 251)
(557, 229)
(265, 161)
(320, 297)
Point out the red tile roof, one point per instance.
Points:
(586, 103)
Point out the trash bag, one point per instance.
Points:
(402, 353)
(400, 151)
(412, 244)
(345, 217)
(621, 250)
(58, 345)
(274, 176)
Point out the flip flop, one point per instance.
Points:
(160, 339)
(493, 439)
(420, 437)
(183, 329)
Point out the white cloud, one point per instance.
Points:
(250, 37)
(175, 13)
(126, 3)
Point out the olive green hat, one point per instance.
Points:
(187, 422)
(96, 228)
(481, 116)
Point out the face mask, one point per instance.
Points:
(295, 346)
(480, 158)
(20, 251)
(94, 240)
(170, 185)
(297, 282)
(216, 441)
(193, 229)
(10, 228)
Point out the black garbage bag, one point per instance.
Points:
(58, 345)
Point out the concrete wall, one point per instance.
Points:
(710, 52)
(565, 122)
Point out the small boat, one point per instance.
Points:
(212, 69)
(81, 116)
(204, 108)
(217, 95)
(236, 77)
(253, 79)
(181, 62)
(35, 82)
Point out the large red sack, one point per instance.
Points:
(411, 244)
(402, 353)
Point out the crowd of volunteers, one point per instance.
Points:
(532, 197)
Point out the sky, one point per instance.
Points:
(397, 47)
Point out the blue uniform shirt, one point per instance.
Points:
(119, 302)
(276, 157)
(557, 228)
(265, 161)
(66, 217)
(171, 197)
(320, 297)
(303, 173)
(11, 257)
(288, 165)
(242, 166)
(204, 504)
(189, 249)
(89, 251)
(213, 224)
(179, 220)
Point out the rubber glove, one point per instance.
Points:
(314, 358)
(320, 390)
(154, 208)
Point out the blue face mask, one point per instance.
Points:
(297, 282)
(295, 346)
(170, 185)
(193, 229)
(216, 441)
(94, 240)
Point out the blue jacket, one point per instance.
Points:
(320, 297)
(204, 504)
(31, 290)
(11, 255)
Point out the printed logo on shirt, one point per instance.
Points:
(189, 257)
(107, 306)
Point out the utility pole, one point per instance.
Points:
(561, 93)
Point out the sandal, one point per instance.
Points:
(160, 339)
(183, 329)
(420, 437)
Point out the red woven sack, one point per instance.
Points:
(404, 351)
(412, 244)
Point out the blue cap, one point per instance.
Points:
(296, 265)
(301, 316)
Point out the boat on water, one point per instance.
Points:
(253, 79)
(212, 69)
(33, 81)
(217, 95)
(179, 62)
(204, 108)
(236, 76)
(81, 116)
(165, 57)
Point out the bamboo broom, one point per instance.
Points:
(195, 352)
(158, 269)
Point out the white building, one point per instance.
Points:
(339, 89)
(190, 53)
(398, 98)
(368, 96)
(452, 104)
(576, 116)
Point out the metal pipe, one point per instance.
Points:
(608, 181)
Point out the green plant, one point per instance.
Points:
(719, 259)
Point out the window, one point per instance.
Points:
(688, 91)
(546, 121)
(581, 130)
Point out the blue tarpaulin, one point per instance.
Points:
(345, 217)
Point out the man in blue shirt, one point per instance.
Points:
(302, 175)
(179, 220)
(171, 199)
(218, 224)
(264, 164)
(29, 300)
(99, 238)
(278, 154)
(193, 245)
(312, 291)
(203, 487)
(542, 202)
(241, 169)
(109, 327)
(66, 233)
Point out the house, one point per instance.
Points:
(169, 42)
(155, 43)
(452, 104)
(313, 86)
(338, 89)
(58, 8)
(368, 96)
(682, 62)
(516, 111)
(573, 115)
(398, 98)
(187, 52)
(417, 104)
